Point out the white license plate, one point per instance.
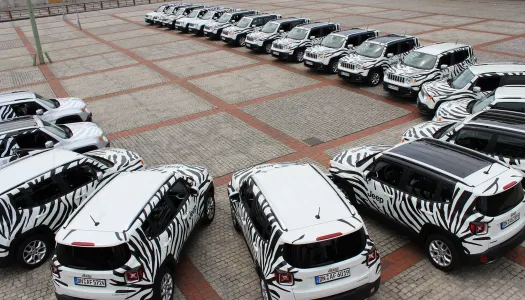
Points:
(223, 38)
(513, 218)
(275, 53)
(90, 282)
(308, 62)
(332, 276)
(248, 45)
(345, 74)
(393, 87)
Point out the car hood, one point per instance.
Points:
(321, 50)
(452, 110)
(286, 42)
(185, 19)
(439, 88)
(123, 160)
(219, 24)
(425, 129)
(404, 70)
(199, 22)
(260, 35)
(70, 103)
(359, 59)
(84, 130)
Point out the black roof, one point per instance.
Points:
(244, 11)
(286, 20)
(313, 25)
(386, 39)
(262, 15)
(502, 118)
(353, 31)
(458, 161)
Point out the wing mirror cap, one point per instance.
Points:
(442, 67)
(100, 176)
(476, 89)
(48, 144)
(389, 55)
(350, 46)
(281, 31)
(39, 112)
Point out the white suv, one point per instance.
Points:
(307, 241)
(30, 133)
(125, 239)
(59, 110)
(425, 64)
(38, 193)
(462, 205)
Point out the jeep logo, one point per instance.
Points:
(375, 197)
(333, 270)
(86, 276)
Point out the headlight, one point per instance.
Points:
(408, 80)
(288, 46)
(103, 139)
(359, 66)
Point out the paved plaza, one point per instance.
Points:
(178, 98)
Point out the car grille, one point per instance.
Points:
(178, 23)
(312, 55)
(207, 27)
(278, 46)
(348, 65)
(394, 77)
(250, 39)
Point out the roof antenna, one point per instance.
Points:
(488, 170)
(318, 216)
(96, 223)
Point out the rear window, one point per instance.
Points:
(498, 204)
(91, 258)
(326, 252)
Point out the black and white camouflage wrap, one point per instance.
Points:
(361, 65)
(453, 110)
(324, 54)
(289, 45)
(268, 256)
(17, 221)
(6, 112)
(150, 254)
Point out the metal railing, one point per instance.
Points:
(55, 10)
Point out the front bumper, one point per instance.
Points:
(497, 251)
(400, 90)
(254, 45)
(424, 109)
(149, 21)
(193, 29)
(280, 54)
(360, 293)
(89, 117)
(314, 64)
(180, 27)
(228, 39)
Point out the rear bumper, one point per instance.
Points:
(498, 250)
(360, 293)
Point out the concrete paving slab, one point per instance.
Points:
(514, 46)
(463, 36)
(119, 28)
(76, 52)
(16, 62)
(16, 77)
(402, 27)
(397, 14)
(89, 64)
(147, 40)
(79, 42)
(11, 44)
(499, 27)
(444, 20)
(20, 51)
(139, 33)
(179, 48)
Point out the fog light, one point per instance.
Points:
(483, 259)
(372, 291)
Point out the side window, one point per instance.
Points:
(177, 195)
(44, 191)
(460, 56)
(78, 176)
(158, 219)
(36, 139)
(284, 27)
(353, 40)
(260, 221)
(388, 173)
(393, 48)
(509, 146)
(247, 196)
(406, 46)
(258, 22)
(473, 139)
(421, 187)
(488, 83)
(445, 60)
(315, 32)
(26, 108)
(514, 79)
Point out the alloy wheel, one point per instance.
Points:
(210, 208)
(440, 253)
(166, 287)
(34, 252)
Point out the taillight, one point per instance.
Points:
(328, 236)
(284, 278)
(509, 185)
(372, 256)
(134, 275)
(83, 244)
(54, 269)
(478, 228)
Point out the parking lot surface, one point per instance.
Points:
(176, 98)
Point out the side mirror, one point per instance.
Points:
(39, 112)
(312, 37)
(232, 21)
(100, 176)
(476, 89)
(48, 145)
(281, 31)
(389, 55)
(442, 67)
(235, 196)
(253, 26)
(350, 46)
(194, 191)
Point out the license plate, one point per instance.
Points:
(248, 45)
(275, 53)
(345, 74)
(332, 276)
(90, 282)
(393, 87)
(223, 38)
(308, 62)
(513, 218)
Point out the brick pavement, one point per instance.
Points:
(179, 98)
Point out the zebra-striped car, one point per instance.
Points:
(276, 29)
(462, 205)
(473, 83)
(374, 56)
(125, 239)
(510, 97)
(497, 133)
(213, 30)
(426, 64)
(306, 240)
(237, 33)
(196, 26)
(294, 44)
(39, 191)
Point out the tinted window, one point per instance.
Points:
(509, 146)
(260, 221)
(317, 32)
(473, 139)
(445, 60)
(460, 56)
(354, 40)
(78, 176)
(178, 195)
(36, 139)
(93, 258)
(247, 196)
(500, 203)
(392, 49)
(406, 46)
(488, 83)
(387, 172)
(158, 219)
(513, 106)
(26, 108)
(258, 22)
(45, 191)
(421, 186)
(515, 79)
(325, 252)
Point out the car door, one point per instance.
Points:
(243, 212)
(487, 83)
(8, 148)
(394, 49)
(383, 181)
(78, 181)
(316, 36)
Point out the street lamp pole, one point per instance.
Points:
(35, 32)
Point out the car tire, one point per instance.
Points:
(265, 291)
(332, 67)
(241, 41)
(209, 208)
(268, 48)
(33, 251)
(299, 55)
(442, 252)
(374, 77)
(235, 223)
(164, 285)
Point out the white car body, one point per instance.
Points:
(214, 29)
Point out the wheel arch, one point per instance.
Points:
(430, 229)
(42, 229)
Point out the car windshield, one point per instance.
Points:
(298, 33)
(368, 49)
(193, 14)
(225, 18)
(244, 22)
(61, 132)
(270, 27)
(208, 15)
(161, 8)
(47, 102)
(179, 12)
(333, 41)
(420, 60)
(462, 79)
(482, 103)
